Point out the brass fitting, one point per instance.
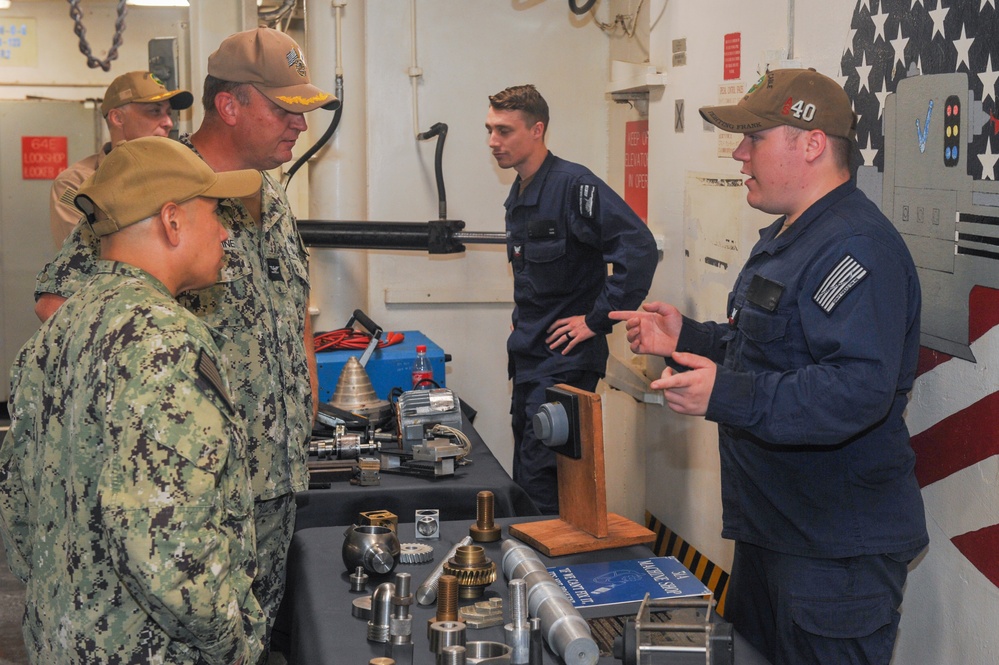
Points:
(484, 530)
(474, 570)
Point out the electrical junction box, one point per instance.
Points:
(388, 368)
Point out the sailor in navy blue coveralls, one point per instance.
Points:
(563, 230)
(808, 380)
(816, 364)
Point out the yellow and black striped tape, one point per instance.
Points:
(668, 543)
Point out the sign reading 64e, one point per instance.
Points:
(43, 157)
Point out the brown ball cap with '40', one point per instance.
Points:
(140, 176)
(272, 63)
(800, 98)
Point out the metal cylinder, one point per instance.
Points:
(381, 613)
(452, 655)
(518, 631)
(519, 559)
(487, 653)
(565, 630)
(447, 598)
(401, 624)
(358, 580)
(446, 634)
(537, 652)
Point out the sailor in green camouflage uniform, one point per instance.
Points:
(256, 93)
(124, 496)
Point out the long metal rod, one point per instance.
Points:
(481, 237)
(445, 236)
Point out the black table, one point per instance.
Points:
(317, 607)
(402, 494)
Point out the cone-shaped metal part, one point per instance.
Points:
(354, 391)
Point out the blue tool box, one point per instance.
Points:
(388, 368)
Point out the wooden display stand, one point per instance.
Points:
(584, 525)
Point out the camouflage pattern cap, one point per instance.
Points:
(142, 87)
(272, 62)
(797, 97)
(138, 177)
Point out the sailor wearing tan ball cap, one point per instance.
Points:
(124, 478)
(256, 94)
(136, 104)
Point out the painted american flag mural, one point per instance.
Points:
(954, 412)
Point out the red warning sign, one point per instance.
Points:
(636, 167)
(733, 56)
(43, 157)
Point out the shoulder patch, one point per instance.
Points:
(210, 374)
(838, 282)
(69, 198)
(586, 200)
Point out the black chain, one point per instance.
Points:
(81, 32)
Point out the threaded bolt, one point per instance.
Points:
(484, 530)
(447, 598)
(518, 603)
(452, 655)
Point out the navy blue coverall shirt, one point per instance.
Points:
(562, 231)
(815, 367)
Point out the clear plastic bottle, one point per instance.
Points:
(423, 373)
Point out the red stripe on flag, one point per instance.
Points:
(983, 311)
(958, 441)
(980, 548)
(929, 358)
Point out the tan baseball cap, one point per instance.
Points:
(272, 62)
(142, 87)
(138, 177)
(796, 97)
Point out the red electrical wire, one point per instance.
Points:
(352, 340)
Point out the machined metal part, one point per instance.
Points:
(366, 472)
(446, 634)
(484, 530)
(360, 607)
(537, 652)
(483, 614)
(354, 393)
(518, 631)
(379, 518)
(358, 580)
(452, 655)
(565, 630)
(376, 548)
(689, 630)
(487, 653)
(474, 570)
(428, 524)
(401, 653)
(415, 553)
(381, 661)
(447, 598)
(401, 623)
(381, 613)
(426, 593)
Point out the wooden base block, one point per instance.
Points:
(558, 537)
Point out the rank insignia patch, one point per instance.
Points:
(840, 281)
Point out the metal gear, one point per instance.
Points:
(415, 553)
